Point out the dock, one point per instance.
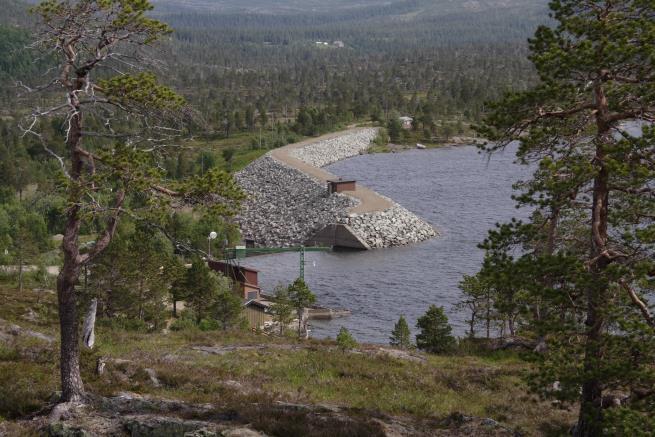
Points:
(320, 313)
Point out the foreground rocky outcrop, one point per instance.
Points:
(286, 206)
(131, 414)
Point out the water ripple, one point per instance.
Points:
(456, 189)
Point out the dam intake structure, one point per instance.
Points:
(289, 203)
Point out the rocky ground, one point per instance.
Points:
(395, 226)
(328, 151)
(131, 414)
(286, 207)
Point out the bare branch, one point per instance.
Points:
(643, 308)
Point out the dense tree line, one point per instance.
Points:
(248, 71)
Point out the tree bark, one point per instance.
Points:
(590, 420)
(71, 381)
(591, 411)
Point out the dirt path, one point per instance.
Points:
(369, 200)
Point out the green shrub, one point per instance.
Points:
(24, 387)
(184, 324)
(382, 138)
(124, 324)
(208, 325)
(345, 340)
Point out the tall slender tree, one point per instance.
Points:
(587, 128)
(117, 119)
(301, 297)
(400, 336)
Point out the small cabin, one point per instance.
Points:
(245, 279)
(258, 313)
(340, 185)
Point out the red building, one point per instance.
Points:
(245, 279)
(339, 185)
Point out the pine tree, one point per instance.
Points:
(588, 251)
(345, 340)
(226, 308)
(400, 336)
(395, 129)
(201, 286)
(301, 297)
(478, 300)
(132, 278)
(27, 234)
(283, 308)
(436, 334)
(118, 176)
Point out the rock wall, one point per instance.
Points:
(395, 226)
(286, 207)
(328, 151)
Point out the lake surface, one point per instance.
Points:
(459, 191)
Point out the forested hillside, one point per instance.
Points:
(261, 74)
(437, 58)
(238, 59)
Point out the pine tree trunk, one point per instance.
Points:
(71, 380)
(591, 411)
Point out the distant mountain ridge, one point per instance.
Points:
(301, 7)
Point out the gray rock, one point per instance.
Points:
(241, 432)
(61, 429)
(162, 426)
(326, 152)
(286, 207)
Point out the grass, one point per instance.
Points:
(489, 385)
(242, 144)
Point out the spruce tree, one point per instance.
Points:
(400, 336)
(226, 306)
(587, 254)
(283, 308)
(201, 286)
(345, 340)
(435, 334)
(301, 297)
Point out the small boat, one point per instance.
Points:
(420, 146)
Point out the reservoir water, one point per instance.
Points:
(459, 191)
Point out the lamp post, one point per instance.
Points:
(212, 236)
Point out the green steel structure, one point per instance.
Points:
(241, 252)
